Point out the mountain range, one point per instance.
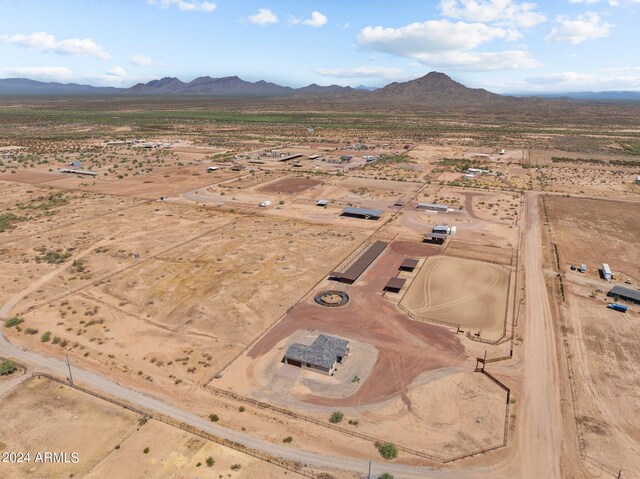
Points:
(436, 89)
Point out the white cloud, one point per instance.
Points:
(263, 17)
(116, 71)
(499, 12)
(140, 60)
(442, 43)
(603, 80)
(360, 72)
(59, 74)
(581, 28)
(479, 61)
(587, 2)
(316, 20)
(432, 36)
(185, 5)
(45, 42)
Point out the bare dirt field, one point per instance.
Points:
(457, 291)
(42, 415)
(289, 185)
(474, 251)
(594, 232)
(604, 350)
(190, 289)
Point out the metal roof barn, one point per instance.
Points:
(361, 264)
(362, 213)
(432, 207)
(627, 294)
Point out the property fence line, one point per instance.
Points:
(295, 467)
(72, 291)
(582, 445)
(350, 432)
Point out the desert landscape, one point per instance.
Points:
(221, 278)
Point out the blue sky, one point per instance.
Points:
(501, 45)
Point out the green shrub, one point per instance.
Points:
(387, 450)
(46, 337)
(7, 367)
(336, 417)
(31, 331)
(236, 467)
(385, 475)
(146, 450)
(288, 440)
(11, 322)
(214, 417)
(210, 462)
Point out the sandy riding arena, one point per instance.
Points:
(468, 293)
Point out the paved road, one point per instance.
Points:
(540, 429)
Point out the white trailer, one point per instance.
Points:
(606, 272)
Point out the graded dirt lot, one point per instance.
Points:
(289, 185)
(461, 292)
(604, 350)
(189, 289)
(594, 231)
(42, 415)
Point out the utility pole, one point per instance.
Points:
(369, 469)
(69, 366)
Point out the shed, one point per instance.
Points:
(363, 213)
(321, 356)
(322, 202)
(437, 238)
(625, 294)
(361, 264)
(441, 229)
(394, 285)
(433, 207)
(409, 264)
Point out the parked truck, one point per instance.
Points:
(618, 307)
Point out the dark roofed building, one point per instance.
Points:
(321, 356)
(363, 213)
(361, 264)
(394, 285)
(409, 264)
(625, 294)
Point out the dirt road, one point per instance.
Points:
(540, 427)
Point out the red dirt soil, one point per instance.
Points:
(289, 185)
(406, 348)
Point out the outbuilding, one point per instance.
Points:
(625, 294)
(322, 356)
(394, 285)
(433, 207)
(363, 213)
(322, 202)
(409, 264)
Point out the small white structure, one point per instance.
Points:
(213, 168)
(433, 207)
(264, 204)
(606, 272)
(502, 152)
(322, 202)
(637, 180)
(441, 229)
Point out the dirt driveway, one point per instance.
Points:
(406, 348)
